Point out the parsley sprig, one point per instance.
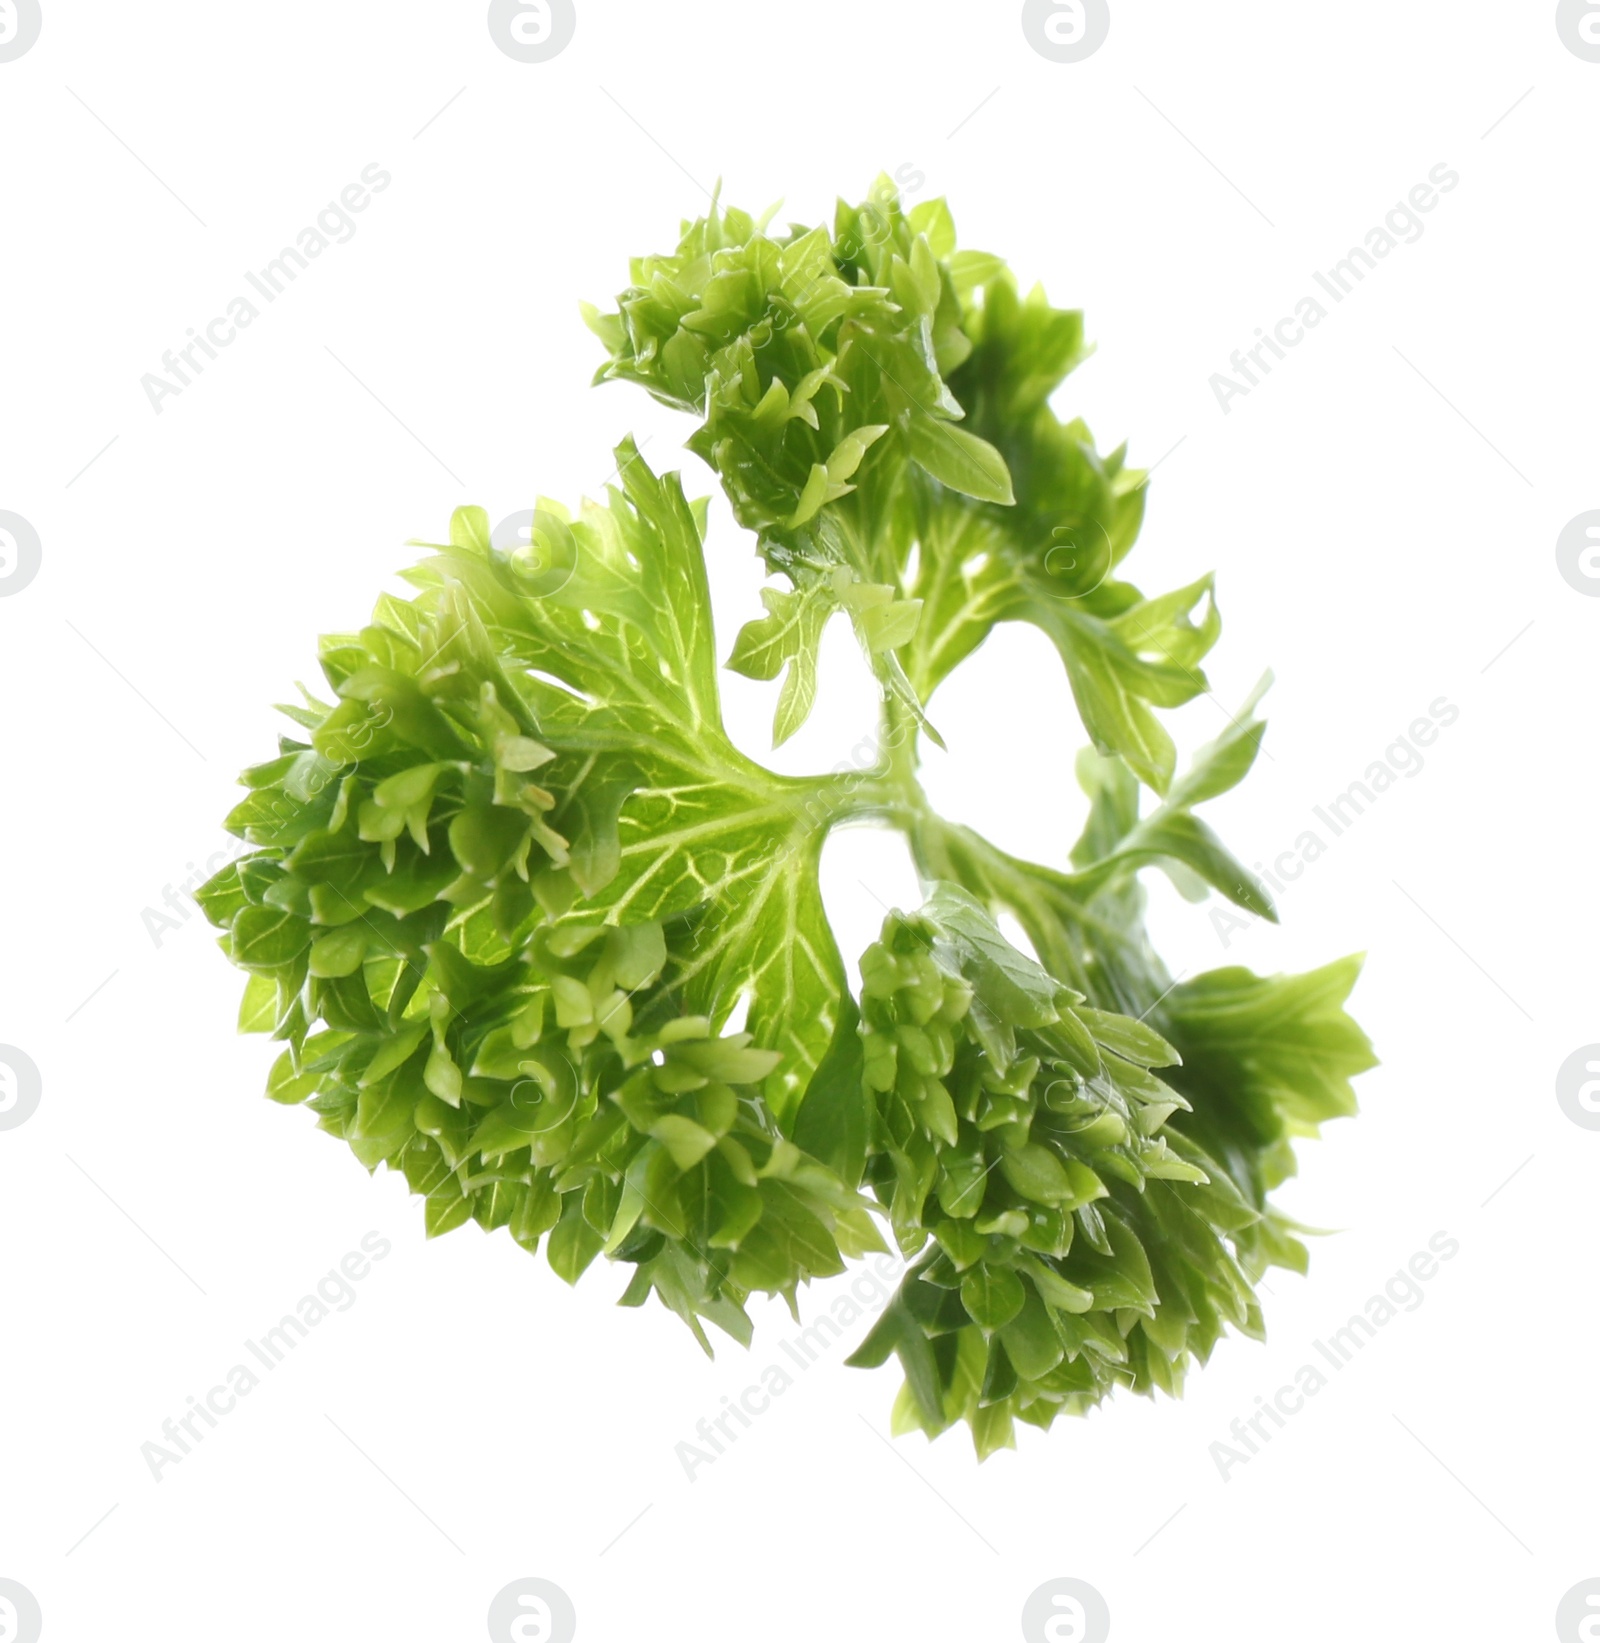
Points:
(509, 886)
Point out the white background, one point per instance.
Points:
(1378, 538)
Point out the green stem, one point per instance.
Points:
(1050, 907)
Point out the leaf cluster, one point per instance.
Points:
(533, 932)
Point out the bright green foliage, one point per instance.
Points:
(508, 888)
(874, 388)
(507, 777)
(1074, 1230)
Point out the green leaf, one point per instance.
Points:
(1178, 836)
(573, 1243)
(258, 1009)
(1033, 1342)
(223, 896)
(1013, 986)
(898, 1332)
(1130, 1039)
(833, 1119)
(267, 938)
(787, 637)
(286, 1084)
(960, 460)
(1038, 1175)
(1222, 764)
(993, 1296)
(1279, 1050)
(888, 627)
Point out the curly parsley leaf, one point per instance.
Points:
(507, 888)
(868, 390)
